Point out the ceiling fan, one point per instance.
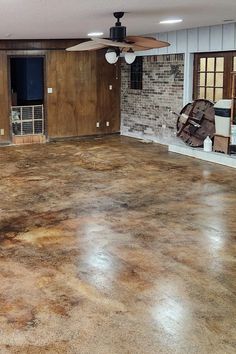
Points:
(119, 43)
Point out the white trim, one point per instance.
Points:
(188, 78)
(177, 146)
(150, 138)
(214, 157)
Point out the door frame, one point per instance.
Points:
(27, 54)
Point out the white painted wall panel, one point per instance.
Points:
(147, 53)
(203, 39)
(172, 39)
(216, 38)
(188, 79)
(182, 40)
(163, 37)
(192, 39)
(235, 35)
(228, 36)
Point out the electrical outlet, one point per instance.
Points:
(107, 124)
(50, 90)
(110, 87)
(163, 126)
(97, 124)
(1, 131)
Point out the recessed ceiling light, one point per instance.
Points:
(95, 34)
(165, 22)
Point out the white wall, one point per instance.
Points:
(195, 40)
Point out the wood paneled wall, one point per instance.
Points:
(80, 81)
(4, 103)
(108, 75)
(72, 105)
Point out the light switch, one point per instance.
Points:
(49, 89)
(107, 124)
(1, 131)
(98, 125)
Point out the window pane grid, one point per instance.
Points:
(210, 72)
(210, 78)
(136, 74)
(211, 86)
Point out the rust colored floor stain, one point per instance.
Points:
(112, 246)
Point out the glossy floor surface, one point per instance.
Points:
(114, 246)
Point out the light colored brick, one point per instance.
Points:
(146, 111)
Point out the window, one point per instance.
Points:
(212, 75)
(136, 74)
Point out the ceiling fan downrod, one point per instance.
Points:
(118, 16)
(118, 32)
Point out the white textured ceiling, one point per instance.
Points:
(27, 19)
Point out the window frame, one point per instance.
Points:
(228, 68)
(138, 83)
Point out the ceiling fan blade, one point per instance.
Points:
(136, 48)
(147, 42)
(89, 45)
(110, 43)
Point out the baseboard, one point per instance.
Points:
(83, 137)
(155, 139)
(215, 157)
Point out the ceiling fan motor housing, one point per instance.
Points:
(118, 33)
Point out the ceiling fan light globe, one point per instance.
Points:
(130, 57)
(111, 56)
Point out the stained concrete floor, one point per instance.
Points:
(113, 246)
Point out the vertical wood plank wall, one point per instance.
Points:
(195, 40)
(80, 83)
(72, 105)
(108, 75)
(4, 103)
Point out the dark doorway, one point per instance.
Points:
(27, 98)
(27, 81)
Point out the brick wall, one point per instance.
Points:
(146, 112)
